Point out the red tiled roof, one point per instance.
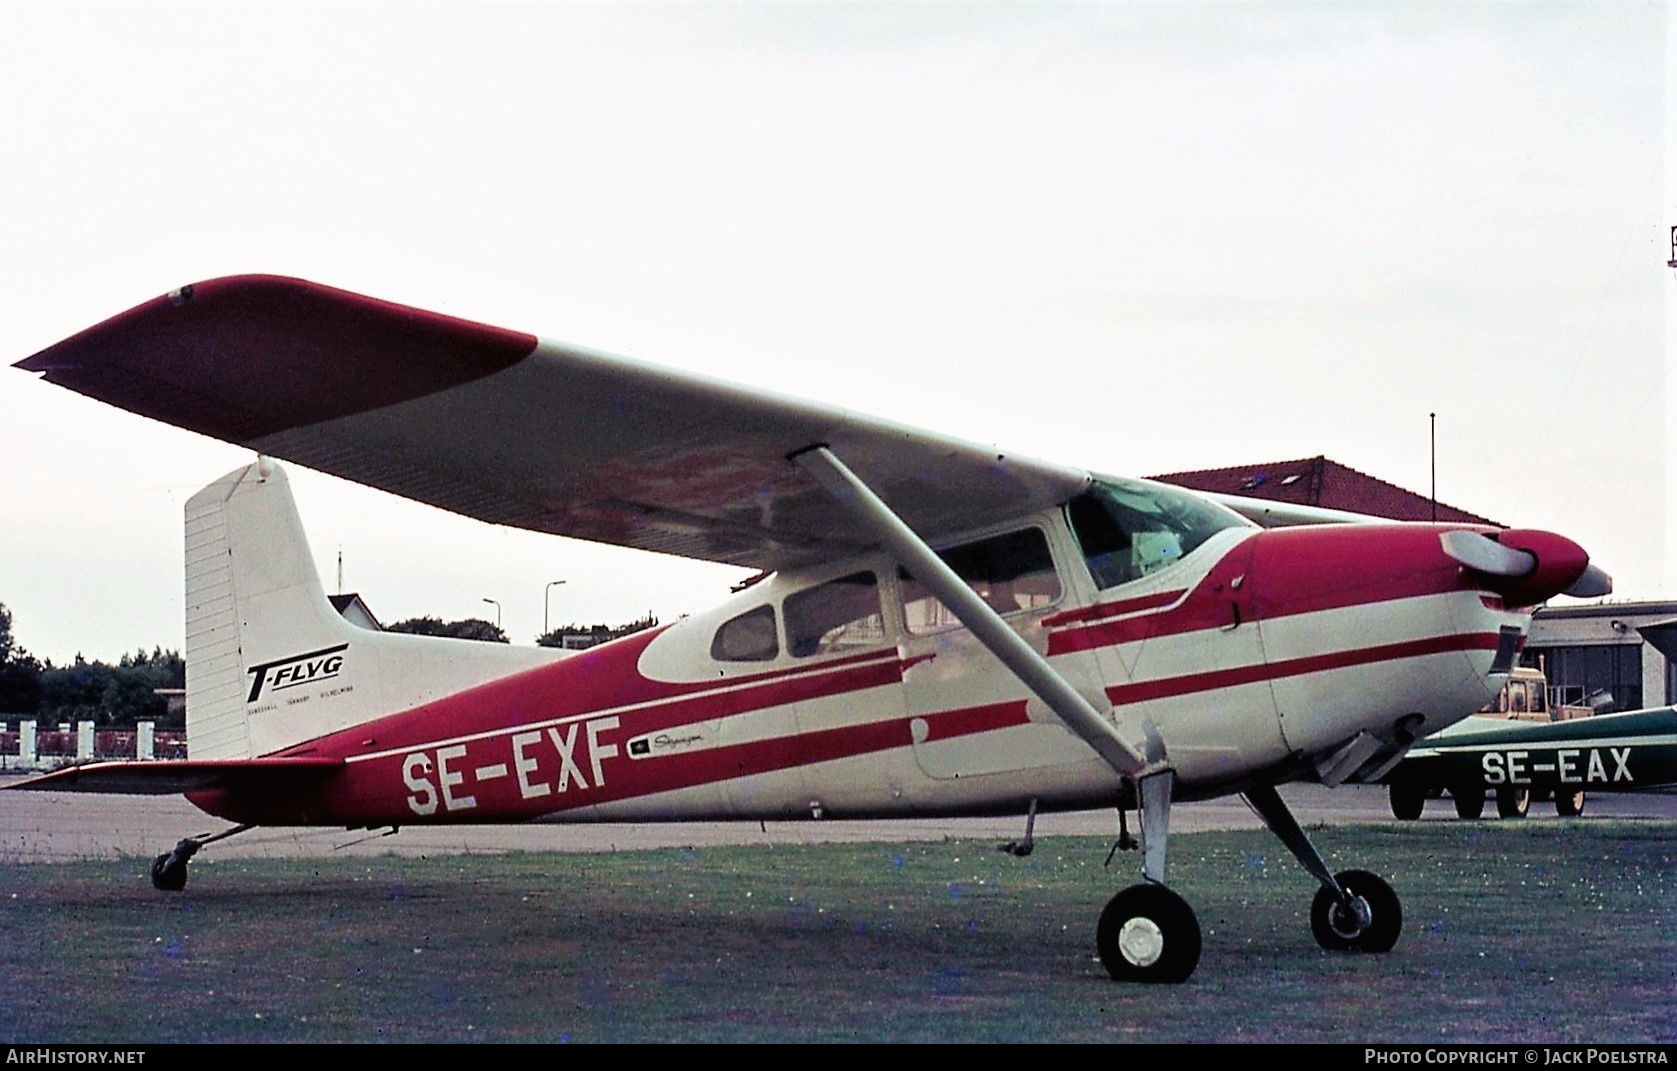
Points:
(1317, 481)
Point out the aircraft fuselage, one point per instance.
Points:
(1259, 653)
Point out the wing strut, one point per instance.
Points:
(984, 622)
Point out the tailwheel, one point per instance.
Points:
(168, 873)
(1512, 802)
(1369, 919)
(1148, 934)
(1569, 804)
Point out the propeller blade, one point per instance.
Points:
(1592, 585)
(1487, 556)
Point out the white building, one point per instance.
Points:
(1588, 650)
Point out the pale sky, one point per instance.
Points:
(1136, 237)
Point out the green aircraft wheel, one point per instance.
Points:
(1512, 802)
(1408, 800)
(1470, 800)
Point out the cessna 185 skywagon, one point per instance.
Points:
(948, 630)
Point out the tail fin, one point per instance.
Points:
(269, 662)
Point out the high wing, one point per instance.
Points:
(170, 778)
(513, 430)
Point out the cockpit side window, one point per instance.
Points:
(1010, 572)
(750, 637)
(839, 615)
(1128, 529)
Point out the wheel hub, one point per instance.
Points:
(1349, 920)
(1141, 941)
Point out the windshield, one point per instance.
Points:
(1128, 528)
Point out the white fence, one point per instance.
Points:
(31, 748)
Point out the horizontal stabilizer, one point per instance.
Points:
(170, 778)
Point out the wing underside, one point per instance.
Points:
(510, 429)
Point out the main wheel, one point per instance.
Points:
(1569, 804)
(1512, 802)
(1148, 934)
(1408, 799)
(168, 874)
(1371, 922)
(1470, 800)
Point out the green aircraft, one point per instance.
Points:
(1518, 761)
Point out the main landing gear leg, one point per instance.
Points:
(1148, 933)
(1022, 848)
(1354, 911)
(168, 871)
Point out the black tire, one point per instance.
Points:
(1148, 934)
(1512, 802)
(1470, 800)
(1569, 804)
(1338, 929)
(167, 876)
(1408, 800)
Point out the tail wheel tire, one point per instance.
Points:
(1408, 800)
(1148, 934)
(1470, 801)
(1512, 802)
(1371, 921)
(1569, 804)
(168, 874)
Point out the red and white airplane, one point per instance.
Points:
(947, 630)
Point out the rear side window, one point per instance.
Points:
(839, 615)
(1010, 572)
(750, 637)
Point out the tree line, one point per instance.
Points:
(108, 695)
(475, 628)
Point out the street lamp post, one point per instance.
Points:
(497, 611)
(546, 592)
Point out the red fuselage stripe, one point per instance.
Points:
(1100, 610)
(800, 750)
(1187, 684)
(547, 696)
(1283, 573)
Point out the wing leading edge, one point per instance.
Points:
(514, 430)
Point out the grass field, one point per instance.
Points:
(1543, 932)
